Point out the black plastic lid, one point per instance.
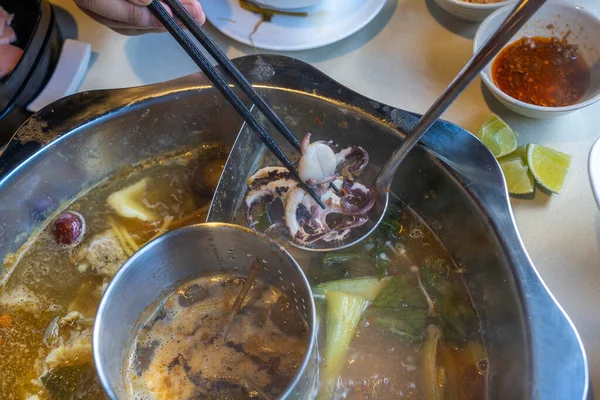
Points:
(32, 23)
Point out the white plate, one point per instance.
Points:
(328, 22)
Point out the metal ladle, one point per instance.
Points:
(516, 19)
(382, 181)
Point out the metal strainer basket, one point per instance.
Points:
(181, 256)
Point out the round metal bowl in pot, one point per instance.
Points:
(534, 351)
(178, 257)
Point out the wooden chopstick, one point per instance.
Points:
(200, 59)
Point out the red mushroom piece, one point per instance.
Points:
(69, 228)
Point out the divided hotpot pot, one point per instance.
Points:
(451, 180)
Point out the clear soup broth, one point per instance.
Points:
(395, 317)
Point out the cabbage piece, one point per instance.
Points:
(400, 308)
(399, 294)
(409, 325)
(368, 287)
(458, 319)
(344, 257)
(344, 312)
(126, 202)
(432, 375)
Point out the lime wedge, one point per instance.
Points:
(520, 152)
(518, 178)
(497, 136)
(549, 167)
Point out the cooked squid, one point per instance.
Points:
(318, 167)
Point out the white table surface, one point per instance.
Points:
(405, 58)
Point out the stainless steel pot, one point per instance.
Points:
(451, 180)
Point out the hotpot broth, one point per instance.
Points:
(46, 281)
(49, 300)
(375, 355)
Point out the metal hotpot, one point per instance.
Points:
(452, 181)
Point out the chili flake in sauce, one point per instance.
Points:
(542, 71)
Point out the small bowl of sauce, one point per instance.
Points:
(550, 67)
(548, 72)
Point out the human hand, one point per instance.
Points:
(132, 17)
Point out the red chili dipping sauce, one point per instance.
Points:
(543, 71)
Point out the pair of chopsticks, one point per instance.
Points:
(184, 41)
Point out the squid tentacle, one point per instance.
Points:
(305, 220)
(354, 158)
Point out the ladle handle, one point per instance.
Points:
(517, 18)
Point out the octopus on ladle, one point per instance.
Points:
(318, 167)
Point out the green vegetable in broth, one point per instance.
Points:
(262, 220)
(340, 257)
(400, 308)
(408, 325)
(400, 295)
(316, 272)
(458, 319)
(344, 312)
(391, 227)
(435, 274)
(368, 288)
(347, 300)
(374, 254)
(432, 375)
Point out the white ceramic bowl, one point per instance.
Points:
(594, 170)
(473, 12)
(554, 18)
(287, 4)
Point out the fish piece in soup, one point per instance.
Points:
(21, 298)
(77, 349)
(103, 255)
